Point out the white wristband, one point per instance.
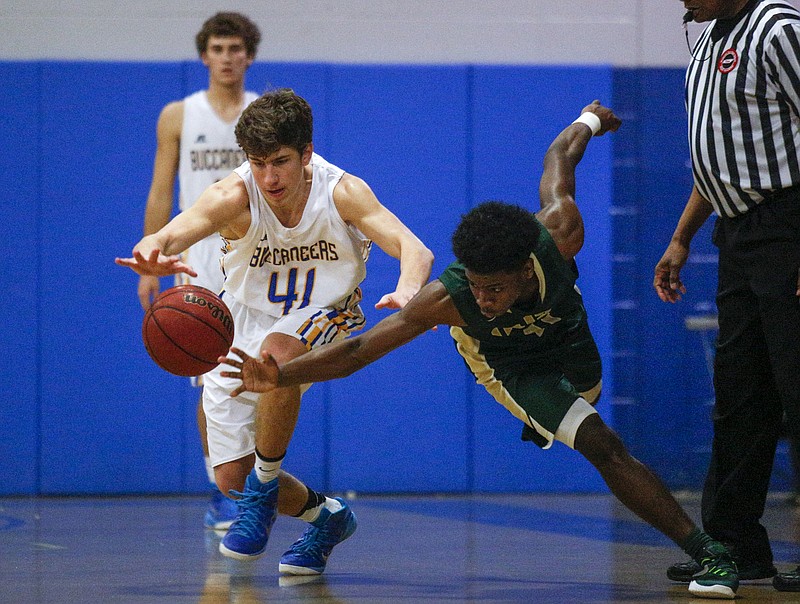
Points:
(591, 120)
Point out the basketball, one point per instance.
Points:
(186, 328)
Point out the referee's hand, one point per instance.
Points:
(667, 280)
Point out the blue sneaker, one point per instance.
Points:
(246, 539)
(221, 512)
(309, 554)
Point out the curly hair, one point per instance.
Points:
(276, 119)
(227, 25)
(495, 237)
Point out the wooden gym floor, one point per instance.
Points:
(496, 548)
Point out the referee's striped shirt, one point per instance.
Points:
(743, 103)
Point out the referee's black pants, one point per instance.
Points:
(756, 369)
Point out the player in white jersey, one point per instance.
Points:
(297, 232)
(196, 142)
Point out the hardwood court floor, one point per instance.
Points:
(489, 549)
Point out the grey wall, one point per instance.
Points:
(614, 32)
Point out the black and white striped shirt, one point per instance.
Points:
(743, 102)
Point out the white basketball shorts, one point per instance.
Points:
(231, 421)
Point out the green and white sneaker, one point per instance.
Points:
(717, 577)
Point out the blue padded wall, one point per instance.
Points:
(664, 393)
(626, 280)
(21, 252)
(664, 388)
(668, 182)
(431, 141)
(517, 112)
(110, 417)
(397, 425)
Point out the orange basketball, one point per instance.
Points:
(186, 329)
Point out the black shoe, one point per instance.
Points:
(787, 581)
(683, 572)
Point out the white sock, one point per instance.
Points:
(266, 468)
(332, 505)
(210, 471)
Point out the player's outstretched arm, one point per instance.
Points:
(223, 207)
(430, 307)
(559, 213)
(157, 255)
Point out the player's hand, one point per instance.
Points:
(667, 281)
(609, 122)
(257, 375)
(148, 289)
(156, 264)
(394, 301)
(397, 299)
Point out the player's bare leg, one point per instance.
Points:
(630, 481)
(643, 493)
(268, 489)
(331, 520)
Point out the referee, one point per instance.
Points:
(743, 104)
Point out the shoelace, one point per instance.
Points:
(318, 541)
(308, 542)
(251, 519)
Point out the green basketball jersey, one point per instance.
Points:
(535, 334)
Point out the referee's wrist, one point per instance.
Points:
(590, 119)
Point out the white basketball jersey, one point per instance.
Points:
(319, 262)
(208, 153)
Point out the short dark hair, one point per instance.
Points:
(495, 237)
(228, 25)
(276, 119)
